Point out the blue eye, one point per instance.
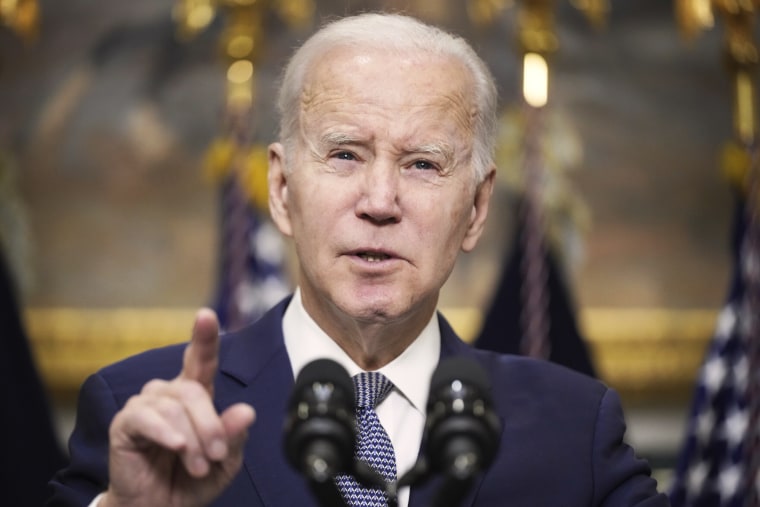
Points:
(345, 155)
(423, 164)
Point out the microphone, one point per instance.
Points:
(462, 428)
(320, 427)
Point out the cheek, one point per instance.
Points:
(305, 194)
(456, 215)
(442, 232)
(316, 206)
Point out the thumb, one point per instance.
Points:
(236, 420)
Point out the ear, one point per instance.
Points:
(479, 211)
(278, 189)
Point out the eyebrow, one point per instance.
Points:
(338, 138)
(443, 150)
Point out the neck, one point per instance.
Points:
(370, 343)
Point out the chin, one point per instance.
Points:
(378, 308)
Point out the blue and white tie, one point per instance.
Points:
(373, 445)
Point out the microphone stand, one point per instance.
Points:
(327, 493)
(456, 484)
(321, 477)
(452, 492)
(368, 477)
(458, 477)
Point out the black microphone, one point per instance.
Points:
(320, 427)
(462, 429)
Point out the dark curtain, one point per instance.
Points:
(30, 451)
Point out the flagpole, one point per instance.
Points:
(535, 295)
(247, 281)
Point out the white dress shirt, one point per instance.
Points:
(402, 412)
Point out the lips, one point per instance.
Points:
(373, 256)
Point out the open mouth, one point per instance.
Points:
(373, 256)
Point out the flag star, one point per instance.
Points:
(741, 374)
(268, 244)
(273, 289)
(259, 295)
(246, 296)
(745, 317)
(714, 373)
(696, 479)
(735, 426)
(704, 425)
(726, 323)
(728, 482)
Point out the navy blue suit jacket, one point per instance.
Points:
(561, 444)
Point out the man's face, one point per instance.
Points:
(379, 194)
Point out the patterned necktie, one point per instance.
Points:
(373, 445)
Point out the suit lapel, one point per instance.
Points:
(257, 366)
(423, 495)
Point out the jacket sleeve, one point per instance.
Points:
(87, 472)
(620, 478)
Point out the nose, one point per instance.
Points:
(379, 199)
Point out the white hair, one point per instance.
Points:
(393, 32)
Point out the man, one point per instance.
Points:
(383, 173)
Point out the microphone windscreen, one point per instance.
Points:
(324, 370)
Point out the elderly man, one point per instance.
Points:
(383, 173)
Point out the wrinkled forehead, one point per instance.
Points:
(398, 80)
(384, 64)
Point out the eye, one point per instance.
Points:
(344, 155)
(423, 165)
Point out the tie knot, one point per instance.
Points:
(371, 388)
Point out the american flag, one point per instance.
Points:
(718, 465)
(251, 262)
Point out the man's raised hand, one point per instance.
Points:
(168, 445)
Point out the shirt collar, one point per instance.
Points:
(410, 372)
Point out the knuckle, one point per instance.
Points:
(190, 391)
(154, 386)
(171, 409)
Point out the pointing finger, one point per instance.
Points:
(202, 354)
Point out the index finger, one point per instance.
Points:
(202, 354)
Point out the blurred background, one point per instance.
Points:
(131, 171)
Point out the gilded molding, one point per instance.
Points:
(646, 354)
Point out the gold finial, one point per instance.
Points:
(536, 27)
(741, 53)
(241, 43)
(537, 36)
(296, 13)
(538, 40)
(485, 12)
(595, 10)
(742, 58)
(694, 16)
(21, 16)
(242, 37)
(192, 17)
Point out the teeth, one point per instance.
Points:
(369, 257)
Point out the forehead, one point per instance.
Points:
(400, 88)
